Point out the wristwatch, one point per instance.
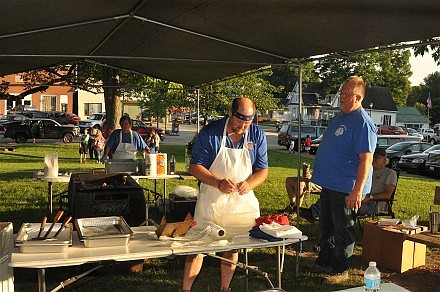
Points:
(371, 197)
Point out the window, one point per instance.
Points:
(387, 120)
(91, 108)
(48, 102)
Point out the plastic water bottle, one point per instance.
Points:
(372, 278)
(172, 167)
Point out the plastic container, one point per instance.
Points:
(372, 278)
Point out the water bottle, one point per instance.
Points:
(372, 278)
(172, 167)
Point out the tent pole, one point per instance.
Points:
(299, 140)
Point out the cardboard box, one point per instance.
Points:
(388, 247)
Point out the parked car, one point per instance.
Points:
(397, 150)
(385, 141)
(280, 124)
(432, 165)
(390, 130)
(416, 162)
(95, 121)
(61, 117)
(412, 132)
(4, 120)
(22, 109)
(140, 127)
(290, 131)
(315, 144)
(46, 129)
(427, 133)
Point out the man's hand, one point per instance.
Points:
(354, 200)
(243, 187)
(226, 186)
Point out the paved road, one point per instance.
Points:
(186, 134)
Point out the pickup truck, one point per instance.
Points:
(435, 138)
(40, 129)
(427, 133)
(95, 121)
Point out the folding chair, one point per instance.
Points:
(387, 203)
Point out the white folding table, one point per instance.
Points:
(142, 246)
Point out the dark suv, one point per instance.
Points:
(42, 128)
(290, 131)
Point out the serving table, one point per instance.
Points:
(142, 246)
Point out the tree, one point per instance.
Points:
(430, 87)
(286, 77)
(388, 69)
(217, 98)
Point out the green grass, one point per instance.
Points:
(25, 200)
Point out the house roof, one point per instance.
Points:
(199, 41)
(380, 98)
(410, 115)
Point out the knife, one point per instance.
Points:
(43, 224)
(66, 221)
(55, 220)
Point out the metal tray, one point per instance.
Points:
(30, 230)
(103, 231)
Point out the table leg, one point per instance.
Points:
(279, 265)
(164, 197)
(41, 280)
(50, 197)
(246, 260)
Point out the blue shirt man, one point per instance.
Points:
(343, 167)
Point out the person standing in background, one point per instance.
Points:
(308, 144)
(98, 146)
(151, 141)
(343, 168)
(83, 146)
(91, 144)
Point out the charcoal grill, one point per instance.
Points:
(106, 194)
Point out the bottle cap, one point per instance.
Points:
(372, 264)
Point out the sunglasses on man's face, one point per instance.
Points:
(245, 118)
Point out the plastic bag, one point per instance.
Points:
(236, 213)
(51, 165)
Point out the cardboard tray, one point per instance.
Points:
(30, 230)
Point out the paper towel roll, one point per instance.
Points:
(217, 232)
(151, 164)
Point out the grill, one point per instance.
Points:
(106, 194)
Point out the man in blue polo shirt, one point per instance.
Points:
(229, 158)
(343, 168)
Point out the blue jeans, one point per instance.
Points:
(337, 225)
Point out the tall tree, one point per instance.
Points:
(430, 87)
(388, 69)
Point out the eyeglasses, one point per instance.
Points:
(346, 95)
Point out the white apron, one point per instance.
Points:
(235, 213)
(125, 150)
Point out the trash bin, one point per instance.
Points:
(175, 130)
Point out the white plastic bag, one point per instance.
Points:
(235, 213)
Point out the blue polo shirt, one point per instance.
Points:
(209, 140)
(337, 159)
(113, 140)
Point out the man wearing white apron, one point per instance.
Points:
(229, 158)
(124, 143)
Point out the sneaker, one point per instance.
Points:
(306, 214)
(290, 209)
(335, 278)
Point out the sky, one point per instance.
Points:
(422, 67)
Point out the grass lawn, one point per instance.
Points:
(25, 200)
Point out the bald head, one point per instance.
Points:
(243, 105)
